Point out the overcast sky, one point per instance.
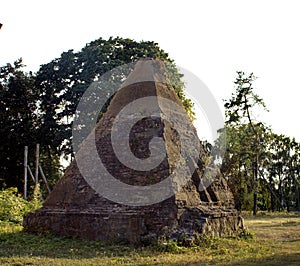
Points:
(212, 39)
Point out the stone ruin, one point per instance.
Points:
(75, 209)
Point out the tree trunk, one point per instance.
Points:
(280, 208)
(255, 185)
(254, 203)
(271, 194)
(298, 198)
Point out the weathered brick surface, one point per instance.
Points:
(75, 209)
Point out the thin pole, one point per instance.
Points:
(30, 173)
(37, 154)
(25, 171)
(44, 178)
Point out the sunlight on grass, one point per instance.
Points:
(276, 242)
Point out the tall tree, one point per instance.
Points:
(18, 120)
(20, 125)
(239, 110)
(284, 173)
(237, 164)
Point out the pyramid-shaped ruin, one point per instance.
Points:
(167, 200)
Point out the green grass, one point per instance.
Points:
(276, 242)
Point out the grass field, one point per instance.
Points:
(276, 242)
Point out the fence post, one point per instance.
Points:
(25, 171)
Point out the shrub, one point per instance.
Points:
(13, 206)
(169, 246)
(246, 234)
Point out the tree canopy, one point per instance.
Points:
(63, 81)
(39, 108)
(262, 167)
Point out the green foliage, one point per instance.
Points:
(270, 247)
(247, 201)
(240, 158)
(262, 167)
(243, 100)
(205, 241)
(64, 80)
(245, 138)
(50, 163)
(13, 206)
(21, 125)
(169, 246)
(18, 121)
(40, 108)
(246, 234)
(186, 241)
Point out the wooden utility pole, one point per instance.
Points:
(37, 154)
(25, 171)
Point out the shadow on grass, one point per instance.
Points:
(22, 244)
(16, 244)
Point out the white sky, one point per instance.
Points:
(210, 38)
